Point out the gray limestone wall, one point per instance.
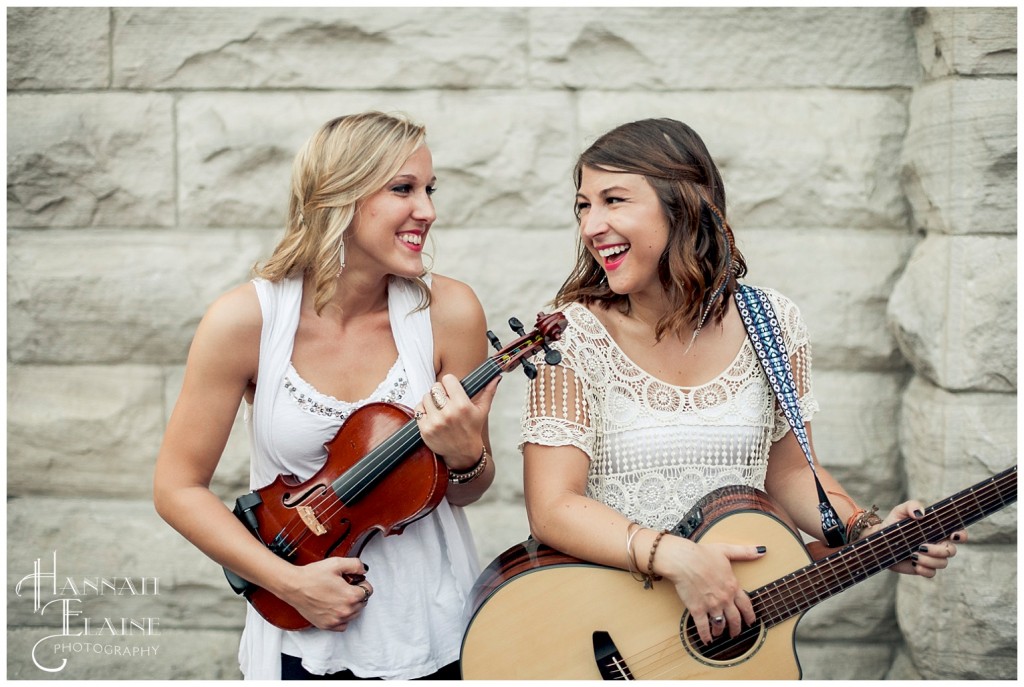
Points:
(870, 159)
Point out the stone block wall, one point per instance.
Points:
(870, 160)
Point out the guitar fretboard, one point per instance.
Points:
(804, 588)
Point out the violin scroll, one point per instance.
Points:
(549, 328)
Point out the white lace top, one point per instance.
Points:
(655, 448)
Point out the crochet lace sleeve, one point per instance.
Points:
(556, 411)
(794, 332)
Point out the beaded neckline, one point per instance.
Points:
(390, 390)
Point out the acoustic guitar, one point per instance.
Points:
(540, 614)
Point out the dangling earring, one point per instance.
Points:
(727, 270)
(341, 255)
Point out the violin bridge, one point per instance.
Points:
(309, 517)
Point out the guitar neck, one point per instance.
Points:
(802, 589)
(370, 469)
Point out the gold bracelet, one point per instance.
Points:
(462, 477)
(630, 556)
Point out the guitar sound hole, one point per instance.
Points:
(725, 650)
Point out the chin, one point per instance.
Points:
(409, 271)
(619, 287)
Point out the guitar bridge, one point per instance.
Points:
(309, 517)
(609, 661)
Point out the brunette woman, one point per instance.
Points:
(660, 397)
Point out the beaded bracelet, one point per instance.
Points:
(650, 577)
(457, 477)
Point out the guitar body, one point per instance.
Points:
(537, 609)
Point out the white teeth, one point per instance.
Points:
(614, 250)
(414, 239)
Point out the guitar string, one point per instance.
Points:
(792, 587)
(366, 470)
(639, 661)
(638, 665)
(794, 590)
(946, 522)
(988, 497)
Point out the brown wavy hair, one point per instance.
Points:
(347, 160)
(700, 264)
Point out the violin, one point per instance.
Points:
(379, 476)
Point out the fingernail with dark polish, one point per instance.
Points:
(918, 513)
(762, 549)
(913, 557)
(913, 563)
(956, 537)
(923, 548)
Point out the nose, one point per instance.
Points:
(424, 210)
(593, 224)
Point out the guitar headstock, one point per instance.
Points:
(548, 328)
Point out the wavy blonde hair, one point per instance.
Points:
(347, 160)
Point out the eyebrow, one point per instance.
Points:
(413, 177)
(606, 191)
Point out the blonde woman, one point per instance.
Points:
(343, 313)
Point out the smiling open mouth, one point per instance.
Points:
(613, 255)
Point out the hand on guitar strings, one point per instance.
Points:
(703, 577)
(929, 558)
(330, 593)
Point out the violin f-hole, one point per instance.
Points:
(345, 527)
(288, 502)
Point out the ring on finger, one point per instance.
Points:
(366, 593)
(438, 396)
(418, 414)
(718, 619)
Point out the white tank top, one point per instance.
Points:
(414, 623)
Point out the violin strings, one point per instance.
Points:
(365, 471)
(369, 467)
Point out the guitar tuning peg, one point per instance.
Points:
(517, 326)
(494, 340)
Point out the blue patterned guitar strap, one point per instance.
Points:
(765, 334)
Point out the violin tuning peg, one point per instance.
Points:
(494, 340)
(517, 326)
(529, 369)
(551, 356)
